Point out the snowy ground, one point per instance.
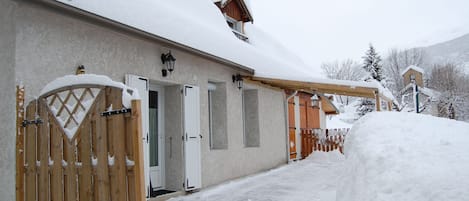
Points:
(406, 157)
(312, 179)
(388, 156)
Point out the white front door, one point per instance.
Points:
(156, 137)
(192, 156)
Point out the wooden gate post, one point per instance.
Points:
(19, 143)
(138, 150)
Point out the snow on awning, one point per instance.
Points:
(329, 86)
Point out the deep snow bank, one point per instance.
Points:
(405, 156)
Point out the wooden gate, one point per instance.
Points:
(324, 140)
(79, 143)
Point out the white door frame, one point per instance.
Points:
(161, 135)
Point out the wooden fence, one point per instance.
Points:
(324, 140)
(72, 145)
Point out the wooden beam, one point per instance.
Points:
(139, 181)
(19, 143)
(389, 106)
(367, 92)
(31, 152)
(378, 102)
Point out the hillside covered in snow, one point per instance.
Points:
(454, 51)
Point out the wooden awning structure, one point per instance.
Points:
(328, 106)
(357, 89)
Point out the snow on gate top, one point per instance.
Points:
(128, 93)
(77, 108)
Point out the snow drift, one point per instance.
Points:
(406, 156)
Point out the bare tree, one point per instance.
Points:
(343, 70)
(452, 82)
(396, 61)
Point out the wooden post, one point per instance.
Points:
(85, 178)
(43, 148)
(138, 151)
(19, 143)
(57, 187)
(378, 102)
(30, 151)
(102, 181)
(303, 144)
(119, 170)
(389, 105)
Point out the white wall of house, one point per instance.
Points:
(7, 100)
(51, 44)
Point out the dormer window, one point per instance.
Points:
(234, 24)
(236, 27)
(236, 13)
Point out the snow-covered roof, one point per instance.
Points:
(198, 24)
(413, 67)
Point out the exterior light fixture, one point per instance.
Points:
(80, 70)
(315, 101)
(239, 79)
(168, 61)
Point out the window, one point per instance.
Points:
(234, 24)
(236, 27)
(251, 118)
(217, 115)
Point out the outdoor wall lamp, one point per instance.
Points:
(80, 70)
(315, 101)
(168, 61)
(239, 79)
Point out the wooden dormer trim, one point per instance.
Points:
(236, 9)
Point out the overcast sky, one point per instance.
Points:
(327, 30)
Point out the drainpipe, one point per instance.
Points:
(287, 124)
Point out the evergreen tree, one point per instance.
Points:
(365, 106)
(372, 64)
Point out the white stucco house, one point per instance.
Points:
(227, 74)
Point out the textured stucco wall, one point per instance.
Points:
(238, 160)
(173, 144)
(7, 100)
(219, 134)
(251, 118)
(51, 45)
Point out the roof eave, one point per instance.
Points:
(127, 28)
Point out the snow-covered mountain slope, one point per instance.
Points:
(454, 51)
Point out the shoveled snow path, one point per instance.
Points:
(314, 178)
